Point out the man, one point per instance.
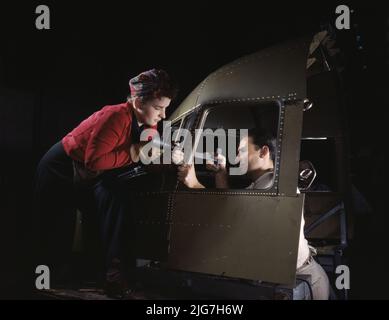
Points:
(257, 151)
(108, 139)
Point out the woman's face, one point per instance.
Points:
(152, 111)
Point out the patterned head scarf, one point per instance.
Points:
(145, 83)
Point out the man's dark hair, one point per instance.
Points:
(264, 138)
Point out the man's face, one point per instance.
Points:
(152, 111)
(248, 154)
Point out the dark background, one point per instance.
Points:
(50, 80)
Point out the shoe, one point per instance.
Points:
(116, 283)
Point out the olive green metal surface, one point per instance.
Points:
(236, 235)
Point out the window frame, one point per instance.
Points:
(273, 190)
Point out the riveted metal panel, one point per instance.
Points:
(277, 72)
(290, 141)
(241, 235)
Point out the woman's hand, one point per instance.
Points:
(177, 156)
(139, 151)
(135, 152)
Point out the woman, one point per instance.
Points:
(107, 140)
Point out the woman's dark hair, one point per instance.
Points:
(166, 87)
(155, 83)
(263, 138)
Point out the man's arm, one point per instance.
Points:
(221, 179)
(187, 175)
(221, 175)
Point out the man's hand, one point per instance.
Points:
(220, 166)
(187, 175)
(221, 175)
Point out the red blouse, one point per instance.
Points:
(103, 140)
